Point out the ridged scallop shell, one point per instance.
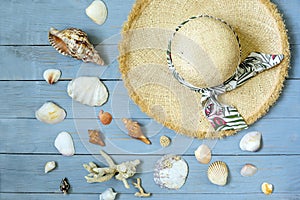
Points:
(50, 113)
(170, 172)
(217, 173)
(97, 11)
(135, 131)
(74, 42)
(88, 90)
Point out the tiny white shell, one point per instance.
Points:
(97, 11)
(251, 141)
(267, 188)
(248, 170)
(64, 144)
(203, 154)
(49, 166)
(52, 75)
(88, 90)
(50, 113)
(108, 194)
(217, 173)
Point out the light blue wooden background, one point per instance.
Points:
(26, 144)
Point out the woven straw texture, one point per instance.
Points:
(152, 87)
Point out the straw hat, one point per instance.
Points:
(213, 56)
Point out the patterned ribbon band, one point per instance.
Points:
(222, 116)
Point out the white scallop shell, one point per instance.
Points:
(64, 144)
(50, 113)
(251, 141)
(97, 11)
(88, 90)
(248, 170)
(49, 166)
(170, 172)
(203, 154)
(217, 173)
(52, 75)
(108, 194)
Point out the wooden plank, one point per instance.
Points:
(153, 196)
(41, 15)
(26, 97)
(24, 136)
(25, 173)
(29, 63)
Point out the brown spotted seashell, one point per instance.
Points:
(105, 117)
(95, 137)
(74, 42)
(135, 131)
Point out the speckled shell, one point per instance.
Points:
(217, 173)
(74, 42)
(164, 141)
(170, 172)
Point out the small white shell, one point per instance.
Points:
(49, 166)
(52, 75)
(108, 194)
(97, 11)
(50, 113)
(248, 170)
(217, 173)
(170, 172)
(88, 90)
(251, 141)
(203, 154)
(164, 141)
(64, 144)
(267, 188)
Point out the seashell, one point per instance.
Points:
(267, 188)
(74, 42)
(64, 186)
(97, 11)
(88, 90)
(248, 170)
(105, 117)
(164, 141)
(52, 75)
(203, 154)
(135, 131)
(251, 141)
(108, 194)
(95, 137)
(49, 166)
(50, 113)
(170, 172)
(64, 144)
(217, 173)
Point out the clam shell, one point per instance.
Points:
(267, 188)
(248, 170)
(88, 90)
(108, 194)
(49, 166)
(74, 42)
(217, 173)
(251, 141)
(203, 154)
(64, 144)
(170, 172)
(97, 11)
(50, 113)
(52, 75)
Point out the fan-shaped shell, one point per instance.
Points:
(74, 42)
(217, 173)
(88, 90)
(170, 172)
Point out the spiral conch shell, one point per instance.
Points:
(135, 131)
(74, 42)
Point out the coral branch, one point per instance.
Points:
(141, 192)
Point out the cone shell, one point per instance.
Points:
(135, 131)
(217, 173)
(74, 42)
(95, 137)
(105, 117)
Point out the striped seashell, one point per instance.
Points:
(217, 173)
(74, 42)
